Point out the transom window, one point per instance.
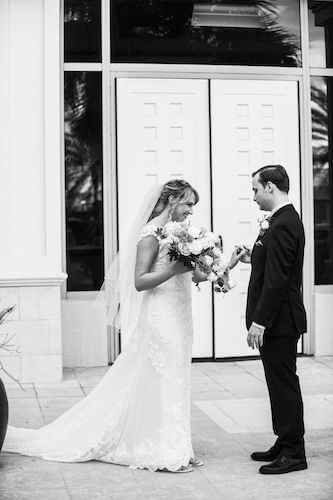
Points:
(206, 32)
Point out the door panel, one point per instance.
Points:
(163, 133)
(254, 123)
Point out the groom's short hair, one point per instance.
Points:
(275, 174)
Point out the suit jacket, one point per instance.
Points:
(274, 295)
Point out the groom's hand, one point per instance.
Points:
(236, 256)
(246, 257)
(255, 336)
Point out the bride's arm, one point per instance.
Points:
(144, 279)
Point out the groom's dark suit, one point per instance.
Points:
(275, 301)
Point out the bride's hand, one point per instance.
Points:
(198, 276)
(179, 268)
(237, 255)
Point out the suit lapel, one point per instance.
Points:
(260, 241)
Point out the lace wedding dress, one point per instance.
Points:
(139, 414)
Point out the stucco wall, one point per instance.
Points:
(30, 183)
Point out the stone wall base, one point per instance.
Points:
(36, 326)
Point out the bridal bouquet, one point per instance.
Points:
(196, 247)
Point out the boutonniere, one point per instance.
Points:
(264, 224)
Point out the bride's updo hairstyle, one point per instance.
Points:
(179, 190)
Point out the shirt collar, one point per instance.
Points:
(284, 204)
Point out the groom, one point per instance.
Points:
(275, 315)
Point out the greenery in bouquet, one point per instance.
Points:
(198, 248)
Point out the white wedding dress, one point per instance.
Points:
(139, 414)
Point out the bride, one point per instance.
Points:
(139, 414)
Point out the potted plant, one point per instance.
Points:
(7, 345)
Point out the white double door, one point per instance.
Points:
(213, 134)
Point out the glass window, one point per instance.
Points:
(82, 30)
(321, 34)
(206, 32)
(322, 144)
(84, 180)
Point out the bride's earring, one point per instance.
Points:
(170, 214)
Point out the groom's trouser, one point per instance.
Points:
(278, 356)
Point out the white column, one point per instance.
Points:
(30, 183)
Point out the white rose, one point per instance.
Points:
(169, 240)
(218, 269)
(223, 261)
(184, 249)
(212, 237)
(167, 230)
(173, 227)
(173, 238)
(212, 277)
(196, 247)
(220, 265)
(208, 260)
(217, 252)
(207, 243)
(194, 231)
(265, 225)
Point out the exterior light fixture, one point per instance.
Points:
(228, 16)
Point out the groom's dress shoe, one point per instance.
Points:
(266, 456)
(284, 464)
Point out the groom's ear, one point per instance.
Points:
(270, 186)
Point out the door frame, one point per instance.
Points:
(226, 73)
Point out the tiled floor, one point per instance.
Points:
(253, 414)
(230, 418)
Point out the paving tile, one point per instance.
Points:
(68, 380)
(249, 392)
(192, 485)
(253, 415)
(51, 417)
(328, 397)
(23, 402)
(58, 391)
(224, 419)
(17, 392)
(310, 389)
(241, 480)
(32, 477)
(52, 408)
(26, 421)
(318, 411)
(326, 360)
(100, 481)
(87, 390)
(234, 390)
(206, 385)
(219, 394)
(89, 377)
(58, 494)
(24, 410)
(63, 403)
